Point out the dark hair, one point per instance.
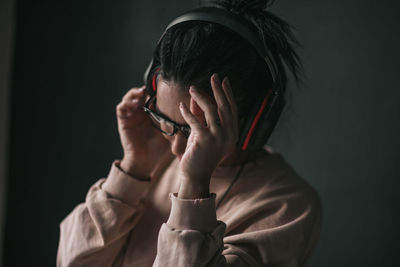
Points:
(191, 52)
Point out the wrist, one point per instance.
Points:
(133, 169)
(191, 190)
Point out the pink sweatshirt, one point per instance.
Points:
(270, 217)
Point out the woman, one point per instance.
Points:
(188, 191)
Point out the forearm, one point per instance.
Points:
(134, 169)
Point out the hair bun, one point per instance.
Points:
(249, 7)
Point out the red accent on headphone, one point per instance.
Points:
(155, 79)
(154, 82)
(255, 121)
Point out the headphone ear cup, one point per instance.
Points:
(154, 82)
(147, 72)
(269, 122)
(265, 126)
(245, 131)
(150, 77)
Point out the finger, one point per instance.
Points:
(209, 109)
(232, 103)
(219, 95)
(134, 92)
(132, 105)
(122, 111)
(189, 118)
(197, 112)
(126, 108)
(226, 86)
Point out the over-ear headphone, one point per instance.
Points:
(267, 110)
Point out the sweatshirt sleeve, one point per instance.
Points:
(192, 236)
(278, 230)
(94, 233)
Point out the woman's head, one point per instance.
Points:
(191, 52)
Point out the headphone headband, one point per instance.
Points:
(233, 22)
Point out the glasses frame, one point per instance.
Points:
(184, 129)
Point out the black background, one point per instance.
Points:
(74, 60)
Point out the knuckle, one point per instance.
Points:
(131, 103)
(223, 106)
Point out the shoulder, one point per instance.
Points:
(269, 193)
(272, 213)
(271, 176)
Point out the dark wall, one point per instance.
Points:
(7, 16)
(343, 128)
(75, 60)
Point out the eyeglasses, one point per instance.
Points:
(162, 123)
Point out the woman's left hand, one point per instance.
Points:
(210, 142)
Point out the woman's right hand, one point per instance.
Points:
(143, 145)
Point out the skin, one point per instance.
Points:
(210, 143)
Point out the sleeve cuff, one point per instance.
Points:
(193, 214)
(123, 186)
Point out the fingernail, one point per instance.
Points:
(181, 105)
(142, 88)
(193, 89)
